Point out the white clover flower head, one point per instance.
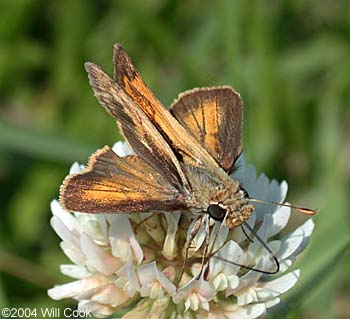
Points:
(120, 260)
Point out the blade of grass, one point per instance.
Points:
(21, 268)
(43, 145)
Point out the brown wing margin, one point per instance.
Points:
(214, 117)
(113, 184)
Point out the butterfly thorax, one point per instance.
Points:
(219, 189)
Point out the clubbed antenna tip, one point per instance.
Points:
(306, 211)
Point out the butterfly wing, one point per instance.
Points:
(119, 184)
(152, 180)
(181, 141)
(136, 127)
(214, 117)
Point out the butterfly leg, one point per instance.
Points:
(210, 252)
(206, 245)
(197, 225)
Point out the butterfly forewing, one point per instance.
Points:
(136, 127)
(175, 134)
(119, 184)
(214, 118)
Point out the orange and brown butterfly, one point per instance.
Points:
(183, 157)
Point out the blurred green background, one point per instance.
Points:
(288, 59)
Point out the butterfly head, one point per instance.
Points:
(234, 210)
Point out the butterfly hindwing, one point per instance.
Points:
(214, 117)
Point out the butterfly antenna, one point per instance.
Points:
(246, 235)
(252, 231)
(306, 211)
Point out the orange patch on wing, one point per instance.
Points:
(114, 184)
(214, 117)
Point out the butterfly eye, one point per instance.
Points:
(216, 212)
